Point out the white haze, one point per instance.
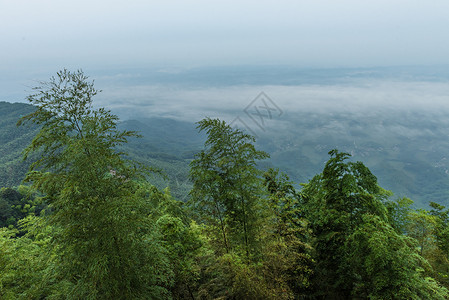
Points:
(192, 104)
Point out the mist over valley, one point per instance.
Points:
(392, 119)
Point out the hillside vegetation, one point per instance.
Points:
(13, 140)
(91, 222)
(407, 150)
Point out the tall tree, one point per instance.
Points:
(422, 227)
(387, 264)
(359, 253)
(287, 256)
(441, 214)
(335, 202)
(105, 244)
(227, 185)
(438, 254)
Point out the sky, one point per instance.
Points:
(48, 34)
(117, 42)
(38, 38)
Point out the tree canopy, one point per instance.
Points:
(103, 240)
(88, 223)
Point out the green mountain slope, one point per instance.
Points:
(13, 140)
(168, 145)
(406, 150)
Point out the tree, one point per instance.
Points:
(287, 256)
(359, 253)
(422, 227)
(24, 261)
(442, 226)
(183, 245)
(230, 202)
(398, 213)
(335, 202)
(104, 240)
(438, 253)
(227, 185)
(16, 204)
(387, 264)
(182, 239)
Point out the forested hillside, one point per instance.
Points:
(407, 150)
(92, 223)
(13, 140)
(166, 144)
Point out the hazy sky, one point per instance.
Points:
(50, 34)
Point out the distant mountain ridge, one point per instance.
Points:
(407, 151)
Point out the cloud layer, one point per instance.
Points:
(230, 101)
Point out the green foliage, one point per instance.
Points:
(25, 261)
(335, 203)
(398, 213)
(386, 142)
(288, 255)
(231, 277)
(441, 215)
(406, 151)
(387, 265)
(183, 244)
(422, 227)
(256, 234)
(437, 253)
(182, 240)
(105, 243)
(16, 204)
(284, 203)
(358, 253)
(430, 231)
(106, 233)
(227, 184)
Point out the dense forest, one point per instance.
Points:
(89, 221)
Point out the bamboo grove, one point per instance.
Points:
(88, 224)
